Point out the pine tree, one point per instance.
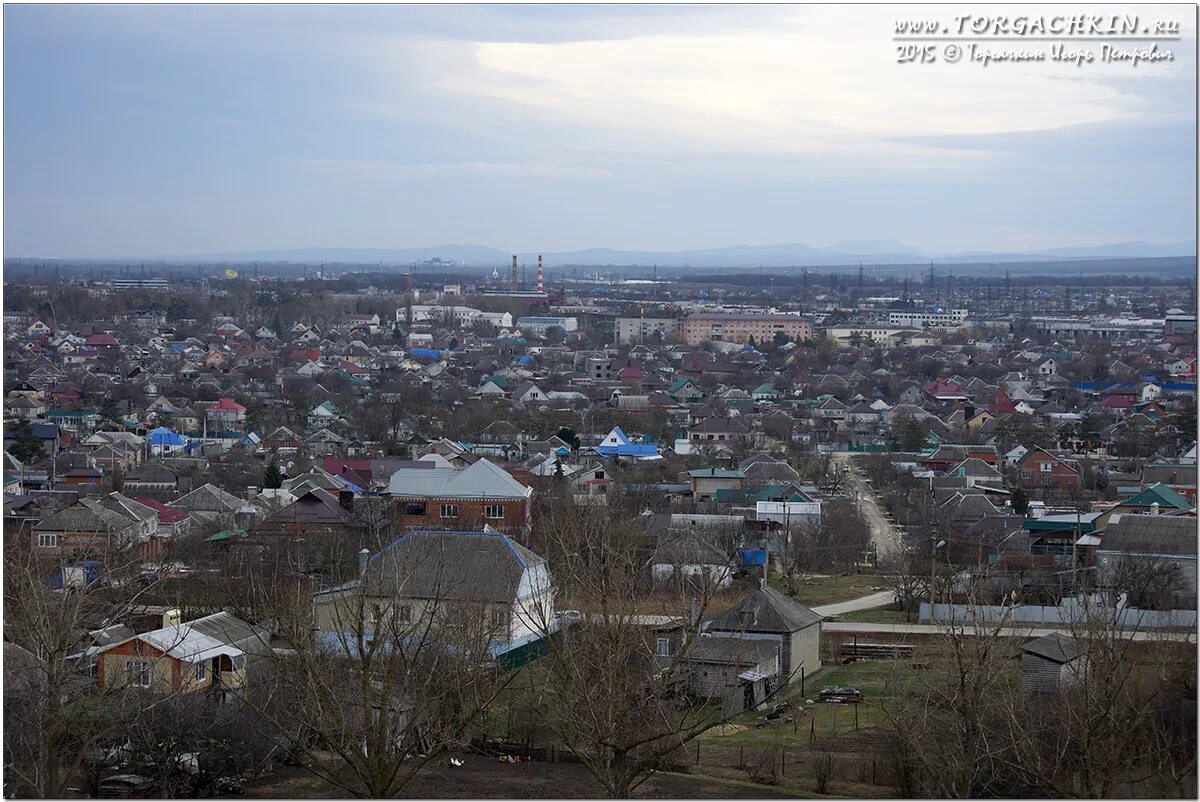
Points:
(1019, 502)
(26, 446)
(273, 476)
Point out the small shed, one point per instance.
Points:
(1052, 663)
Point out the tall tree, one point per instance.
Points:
(273, 477)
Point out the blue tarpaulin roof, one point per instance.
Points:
(162, 436)
(754, 556)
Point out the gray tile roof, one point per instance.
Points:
(482, 480)
(1150, 534)
(468, 566)
(765, 610)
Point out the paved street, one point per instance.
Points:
(870, 602)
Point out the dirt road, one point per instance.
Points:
(883, 534)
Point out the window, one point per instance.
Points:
(201, 671)
(1046, 480)
(47, 540)
(1047, 467)
(663, 648)
(138, 673)
(493, 511)
(414, 508)
(1026, 474)
(449, 510)
(500, 619)
(404, 613)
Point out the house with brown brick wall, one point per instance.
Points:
(482, 493)
(1038, 468)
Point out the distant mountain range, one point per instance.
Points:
(881, 251)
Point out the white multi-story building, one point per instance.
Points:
(640, 329)
(924, 320)
(540, 325)
(454, 315)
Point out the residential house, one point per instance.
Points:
(1039, 469)
(1155, 543)
(427, 577)
(768, 615)
(706, 482)
(482, 493)
(217, 653)
(94, 528)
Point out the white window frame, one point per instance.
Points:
(663, 647)
(138, 673)
(493, 512)
(1047, 467)
(47, 540)
(201, 671)
(449, 511)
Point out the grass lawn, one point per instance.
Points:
(881, 615)
(881, 682)
(830, 589)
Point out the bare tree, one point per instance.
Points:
(377, 685)
(622, 700)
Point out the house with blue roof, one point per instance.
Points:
(164, 441)
(618, 444)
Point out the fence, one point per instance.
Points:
(1125, 618)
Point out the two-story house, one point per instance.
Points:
(482, 493)
(1038, 468)
(430, 578)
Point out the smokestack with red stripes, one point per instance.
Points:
(540, 273)
(514, 272)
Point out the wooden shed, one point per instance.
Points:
(1052, 663)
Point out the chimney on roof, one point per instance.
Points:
(363, 556)
(1154, 508)
(346, 500)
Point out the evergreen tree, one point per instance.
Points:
(273, 476)
(1019, 502)
(26, 446)
(568, 436)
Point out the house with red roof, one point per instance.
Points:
(1002, 405)
(226, 415)
(171, 522)
(101, 341)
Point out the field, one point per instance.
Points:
(485, 778)
(820, 590)
(880, 615)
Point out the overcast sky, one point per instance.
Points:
(138, 130)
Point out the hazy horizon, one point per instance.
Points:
(156, 130)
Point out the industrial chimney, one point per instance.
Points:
(514, 272)
(540, 273)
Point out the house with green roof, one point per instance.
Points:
(1158, 497)
(685, 391)
(764, 392)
